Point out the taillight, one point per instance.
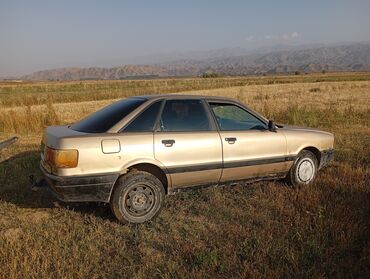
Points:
(61, 158)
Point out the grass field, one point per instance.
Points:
(259, 230)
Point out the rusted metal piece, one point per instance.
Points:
(8, 142)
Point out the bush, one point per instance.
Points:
(210, 75)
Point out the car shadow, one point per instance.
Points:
(15, 188)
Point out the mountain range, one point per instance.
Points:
(229, 62)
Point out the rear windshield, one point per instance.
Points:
(104, 119)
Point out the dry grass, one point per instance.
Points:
(36, 93)
(259, 230)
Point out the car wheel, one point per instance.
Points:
(137, 197)
(304, 169)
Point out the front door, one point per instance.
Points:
(188, 144)
(249, 148)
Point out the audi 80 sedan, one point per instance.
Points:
(132, 153)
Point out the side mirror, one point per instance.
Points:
(272, 126)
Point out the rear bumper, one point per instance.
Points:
(95, 188)
(326, 157)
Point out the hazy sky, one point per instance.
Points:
(37, 35)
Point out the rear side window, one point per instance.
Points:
(184, 115)
(104, 119)
(146, 120)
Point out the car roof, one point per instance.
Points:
(184, 96)
(150, 99)
(174, 96)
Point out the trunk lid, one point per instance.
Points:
(53, 135)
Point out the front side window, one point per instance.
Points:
(184, 115)
(232, 118)
(146, 120)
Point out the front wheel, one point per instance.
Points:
(137, 197)
(304, 169)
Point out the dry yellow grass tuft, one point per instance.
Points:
(27, 120)
(261, 230)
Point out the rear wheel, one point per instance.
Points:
(304, 169)
(137, 197)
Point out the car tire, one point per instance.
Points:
(304, 169)
(137, 197)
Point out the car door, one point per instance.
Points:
(249, 148)
(187, 142)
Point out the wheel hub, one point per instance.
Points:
(306, 170)
(139, 200)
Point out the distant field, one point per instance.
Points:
(260, 230)
(32, 93)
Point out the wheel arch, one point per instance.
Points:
(154, 170)
(147, 166)
(315, 151)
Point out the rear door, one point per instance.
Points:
(249, 148)
(187, 142)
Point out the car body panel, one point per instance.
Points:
(255, 147)
(189, 159)
(299, 138)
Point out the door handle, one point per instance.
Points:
(168, 143)
(230, 140)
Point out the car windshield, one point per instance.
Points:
(104, 119)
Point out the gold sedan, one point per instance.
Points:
(132, 153)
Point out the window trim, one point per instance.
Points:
(213, 126)
(209, 101)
